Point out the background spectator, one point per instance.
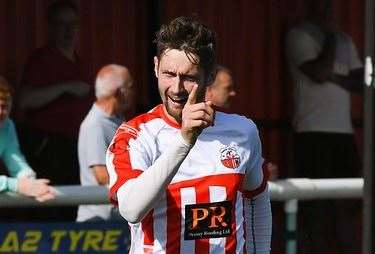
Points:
(22, 177)
(113, 89)
(53, 101)
(221, 92)
(325, 68)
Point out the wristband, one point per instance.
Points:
(12, 184)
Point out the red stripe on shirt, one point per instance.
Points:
(148, 228)
(230, 181)
(173, 221)
(230, 243)
(202, 246)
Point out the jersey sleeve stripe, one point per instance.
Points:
(123, 177)
(119, 149)
(261, 188)
(120, 164)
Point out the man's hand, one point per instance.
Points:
(195, 117)
(37, 188)
(273, 171)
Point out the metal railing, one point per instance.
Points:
(288, 190)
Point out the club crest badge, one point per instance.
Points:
(229, 157)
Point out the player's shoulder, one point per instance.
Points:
(235, 121)
(93, 118)
(142, 122)
(144, 118)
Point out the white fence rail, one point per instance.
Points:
(281, 190)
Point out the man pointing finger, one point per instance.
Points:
(187, 178)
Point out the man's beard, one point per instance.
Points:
(177, 116)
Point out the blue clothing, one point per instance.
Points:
(13, 158)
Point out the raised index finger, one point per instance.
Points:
(192, 99)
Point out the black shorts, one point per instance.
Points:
(326, 155)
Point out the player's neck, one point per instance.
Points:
(170, 118)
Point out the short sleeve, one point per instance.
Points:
(127, 157)
(95, 146)
(300, 47)
(255, 181)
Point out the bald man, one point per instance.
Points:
(114, 93)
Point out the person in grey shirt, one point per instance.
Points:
(114, 93)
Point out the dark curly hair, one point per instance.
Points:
(195, 39)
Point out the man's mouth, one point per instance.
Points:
(178, 101)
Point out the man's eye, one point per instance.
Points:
(191, 79)
(169, 75)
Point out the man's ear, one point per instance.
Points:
(208, 92)
(156, 66)
(211, 78)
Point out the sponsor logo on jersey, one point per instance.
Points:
(229, 157)
(208, 220)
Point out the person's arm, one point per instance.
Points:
(8, 184)
(101, 174)
(139, 195)
(320, 68)
(12, 156)
(22, 177)
(29, 187)
(36, 92)
(257, 207)
(33, 97)
(352, 83)
(301, 52)
(258, 221)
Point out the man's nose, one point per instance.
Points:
(178, 85)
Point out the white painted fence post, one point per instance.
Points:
(291, 216)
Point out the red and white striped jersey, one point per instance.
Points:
(201, 210)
